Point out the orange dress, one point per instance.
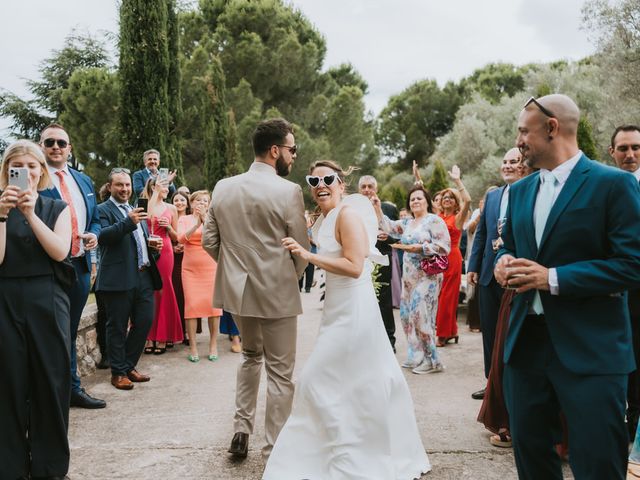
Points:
(446, 319)
(198, 273)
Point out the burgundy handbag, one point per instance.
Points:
(434, 264)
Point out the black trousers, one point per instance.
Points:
(489, 297)
(307, 276)
(137, 304)
(101, 326)
(537, 387)
(35, 378)
(78, 299)
(385, 302)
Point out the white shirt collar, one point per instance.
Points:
(562, 171)
(53, 170)
(118, 204)
(636, 174)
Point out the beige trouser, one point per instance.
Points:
(275, 339)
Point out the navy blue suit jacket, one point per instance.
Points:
(90, 202)
(592, 240)
(482, 256)
(140, 178)
(118, 269)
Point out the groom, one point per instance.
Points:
(257, 279)
(571, 249)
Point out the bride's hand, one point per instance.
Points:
(295, 248)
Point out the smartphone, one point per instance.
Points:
(19, 176)
(143, 203)
(163, 173)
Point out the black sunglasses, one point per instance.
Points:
(120, 170)
(314, 181)
(543, 109)
(293, 149)
(50, 142)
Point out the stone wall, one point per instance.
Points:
(87, 341)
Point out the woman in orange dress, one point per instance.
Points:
(454, 210)
(198, 276)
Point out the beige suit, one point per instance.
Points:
(257, 281)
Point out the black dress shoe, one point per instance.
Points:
(83, 400)
(479, 395)
(239, 445)
(103, 364)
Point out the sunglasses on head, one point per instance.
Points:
(50, 142)
(120, 170)
(314, 181)
(542, 108)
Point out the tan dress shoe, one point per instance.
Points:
(136, 376)
(236, 347)
(121, 382)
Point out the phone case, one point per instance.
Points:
(19, 177)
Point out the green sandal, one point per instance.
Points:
(194, 358)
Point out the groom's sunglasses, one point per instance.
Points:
(314, 181)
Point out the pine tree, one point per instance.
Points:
(439, 179)
(147, 52)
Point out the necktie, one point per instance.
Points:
(542, 209)
(66, 196)
(136, 237)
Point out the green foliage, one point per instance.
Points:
(233, 166)
(344, 75)
(145, 68)
(90, 104)
(412, 121)
(495, 80)
(26, 120)
(174, 151)
(585, 139)
(439, 179)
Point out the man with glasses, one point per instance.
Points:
(483, 255)
(151, 159)
(127, 278)
(368, 186)
(257, 278)
(625, 151)
(571, 250)
(77, 190)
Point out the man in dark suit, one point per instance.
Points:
(127, 277)
(76, 189)
(151, 159)
(483, 256)
(368, 186)
(625, 150)
(571, 250)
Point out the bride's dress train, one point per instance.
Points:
(353, 416)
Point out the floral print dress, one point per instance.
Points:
(419, 301)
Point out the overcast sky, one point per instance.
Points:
(392, 43)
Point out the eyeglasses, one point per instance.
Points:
(543, 109)
(292, 148)
(50, 142)
(120, 170)
(314, 181)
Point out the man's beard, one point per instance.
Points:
(282, 168)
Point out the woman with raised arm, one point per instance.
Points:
(352, 415)
(454, 211)
(423, 234)
(35, 235)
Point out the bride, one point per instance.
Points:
(353, 415)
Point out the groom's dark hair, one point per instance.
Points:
(268, 133)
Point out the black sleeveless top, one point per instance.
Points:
(24, 256)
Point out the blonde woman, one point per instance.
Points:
(198, 276)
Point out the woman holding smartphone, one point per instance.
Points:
(35, 233)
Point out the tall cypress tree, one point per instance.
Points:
(145, 66)
(174, 150)
(217, 125)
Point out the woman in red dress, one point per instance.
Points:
(163, 222)
(454, 210)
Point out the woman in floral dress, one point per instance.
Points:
(422, 235)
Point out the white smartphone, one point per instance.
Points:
(163, 173)
(19, 176)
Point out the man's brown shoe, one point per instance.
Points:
(121, 382)
(136, 376)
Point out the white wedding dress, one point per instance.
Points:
(352, 416)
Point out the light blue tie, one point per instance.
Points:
(136, 236)
(542, 209)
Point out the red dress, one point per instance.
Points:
(446, 319)
(166, 325)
